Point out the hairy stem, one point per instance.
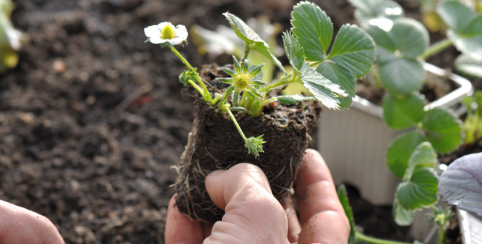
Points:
(246, 53)
(368, 239)
(441, 235)
(196, 86)
(283, 81)
(206, 95)
(435, 48)
(236, 124)
(269, 100)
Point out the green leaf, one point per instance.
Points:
(403, 217)
(403, 113)
(251, 38)
(294, 51)
(455, 14)
(313, 28)
(341, 76)
(468, 45)
(323, 89)
(293, 99)
(343, 197)
(353, 49)
(469, 65)
(401, 149)
(410, 37)
(382, 38)
(402, 76)
(376, 12)
(423, 156)
(443, 129)
(419, 191)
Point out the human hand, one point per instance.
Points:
(253, 215)
(21, 226)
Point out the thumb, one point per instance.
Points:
(252, 213)
(19, 225)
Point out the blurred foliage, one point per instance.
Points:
(224, 41)
(11, 39)
(473, 122)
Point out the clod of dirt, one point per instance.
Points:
(214, 143)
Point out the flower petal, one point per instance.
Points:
(163, 24)
(176, 40)
(181, 31)
(152, 31)
(157, 40)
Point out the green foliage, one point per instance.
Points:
(403, 113)
(10, 39)
(343, 197)
(376, 12)
(323, 89)
(255, 145)
(251, 38)
(469, 65)
(397, 51)
(293, 99)
(437, 126)
(351, 56)
(465, 27)
(187, 75)
(473, 121)
(294, 51)
(402, 216)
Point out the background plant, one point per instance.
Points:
(11, 39)
(473, 121)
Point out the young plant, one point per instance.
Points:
(473, 121)
(329, 76)
(402, 47)
(11, 40)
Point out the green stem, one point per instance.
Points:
(246, 52)
(206, 95)
(435, 48)
(225, 97)
(236, 124)
(441, 235)
(196, 86)
(268, 101)
(365, 238)
(283, 81)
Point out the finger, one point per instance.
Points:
(19, 225)
(294, 227)
(321, 214)
(252, 214)
(180, 228)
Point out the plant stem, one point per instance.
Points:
(236, 124)
(283, 81)
(441, 235)
(435, 48)
(196, 86)
(246, 52)
(365, 238)
(269, 100)
(206, 95)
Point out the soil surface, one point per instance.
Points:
(92, 118)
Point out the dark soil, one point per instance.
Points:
(475, 147)
(92, 117)
(215, 143)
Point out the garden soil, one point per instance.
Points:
(92, 118)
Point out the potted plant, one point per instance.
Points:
(239, 118)
(400, 69)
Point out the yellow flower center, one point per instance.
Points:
(242, 81)
(168, 32)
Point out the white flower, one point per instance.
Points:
(166, 32)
